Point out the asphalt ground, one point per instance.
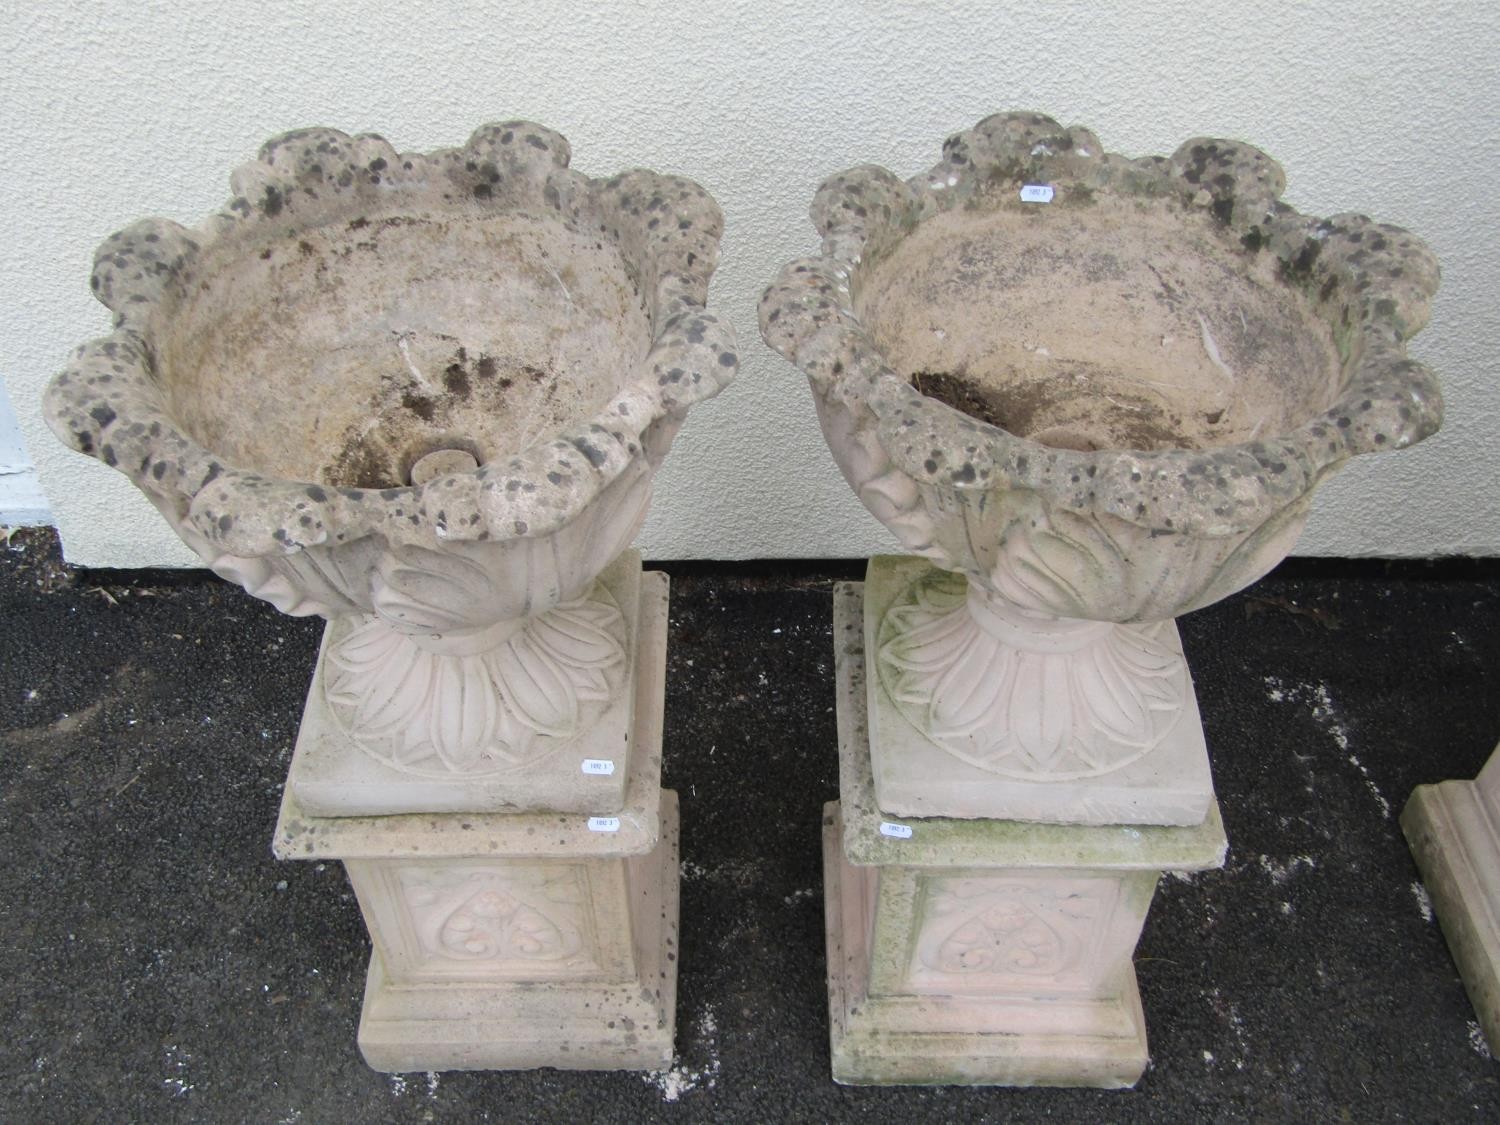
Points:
(158, 965)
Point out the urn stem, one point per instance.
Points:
(1030, 632)
(469, 642)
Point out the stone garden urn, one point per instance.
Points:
(1096, 392)
(1087, 393)
(424, 396)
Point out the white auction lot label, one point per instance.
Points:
(1036, 193)
(899, 831)
(604, 824)
(602, 766)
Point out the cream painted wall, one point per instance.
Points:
(119, 111)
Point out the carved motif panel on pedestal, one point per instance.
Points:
(1012, 934)
(485, 920)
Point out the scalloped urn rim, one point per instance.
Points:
(108, 404)
(1377, 279)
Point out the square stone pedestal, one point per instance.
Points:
(914, 776)
(516, 940)
(982, 951)
(1454, 832)
(333, 776)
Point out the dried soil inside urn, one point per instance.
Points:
(961, 395)
(346, 353)
(1122, 323)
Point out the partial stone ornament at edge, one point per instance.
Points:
(1453, 829)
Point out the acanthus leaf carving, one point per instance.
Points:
(464, 715)
(535, 690)
(425, 590)
(444, 714)
(1085, 699)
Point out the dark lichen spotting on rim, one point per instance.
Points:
(1227, 351)
(275, 373)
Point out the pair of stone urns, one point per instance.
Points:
(424, 396)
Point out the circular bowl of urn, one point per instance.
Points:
(1113, 405)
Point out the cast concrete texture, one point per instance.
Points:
(158, 965)
(904, 1006)
(332, 775)
(136, 110)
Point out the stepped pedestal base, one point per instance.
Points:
(982, 951)
(518, 940)
(584, 1016)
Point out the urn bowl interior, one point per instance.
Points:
(1100, 322)
(346, 353)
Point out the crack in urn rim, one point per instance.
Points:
(1372, 283)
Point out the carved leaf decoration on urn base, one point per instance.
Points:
(437, 714)
(1052, 711)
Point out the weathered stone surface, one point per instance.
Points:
(1454, 832)
(425, 396)
(507, 941)
(957, 842)
(538, 833)
(487, 964)
(1176, 451)
(935, 1030)
(1101, 390)
(426, 391)
(982, 951)
(278, 369)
